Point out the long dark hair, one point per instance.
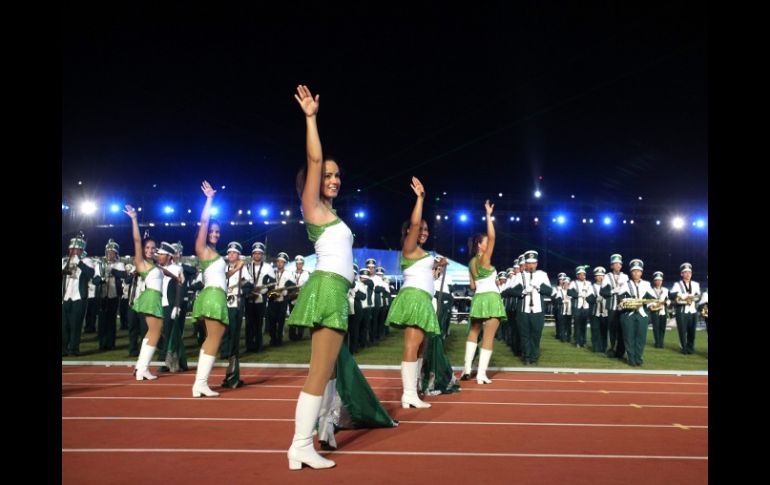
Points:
(473, 243)
(212, 223)
(302, 176)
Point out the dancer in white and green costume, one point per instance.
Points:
(635, 321)
(149, 303)
(322, 304)
(211, 303)
(413, 307)
(487, 308)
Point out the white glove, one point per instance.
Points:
(175, 312)
(75, 260)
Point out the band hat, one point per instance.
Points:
(636, 264)
(166, 248)
(257, 247)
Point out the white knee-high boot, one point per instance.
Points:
(470, 352)
(409, 381)
(325, 423)
(143, 362)
(481, 377)
(301, 449)
(201, 385)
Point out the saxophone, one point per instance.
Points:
(635, 303)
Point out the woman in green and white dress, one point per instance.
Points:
(487, 308)
(149, 303)
(211, 303)
(322, 304)
(413, 307)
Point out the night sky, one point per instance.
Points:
(604, 100)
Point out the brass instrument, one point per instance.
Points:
(635, 303)
(657, 306)
(257, 289)
(687, 300)
(277, 292)
(704, 312)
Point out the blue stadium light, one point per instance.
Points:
(114, 208)
(214, 211)
(677, 223)
(168, 210)
(538, 194)
(512, 219)
(700, 223)
(561, 220)
(607, 220)
(263, 212)
(463, 217)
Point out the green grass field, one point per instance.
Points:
(389, 352)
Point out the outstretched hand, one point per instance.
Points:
(489, 207)
(306, 101)
(207, 189)
(416, 185)
(130, 211)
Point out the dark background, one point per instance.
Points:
(605, 101)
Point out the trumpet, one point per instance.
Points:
(636, 303)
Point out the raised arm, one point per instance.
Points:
(486, 258)
(312, 207)
(201, 247)
(141, 265)
(410, 242)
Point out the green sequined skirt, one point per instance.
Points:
(149, 303)
(211, 303)
(487, 305)
(322, 301)
(413, 308)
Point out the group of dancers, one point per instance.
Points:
(335, 394)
